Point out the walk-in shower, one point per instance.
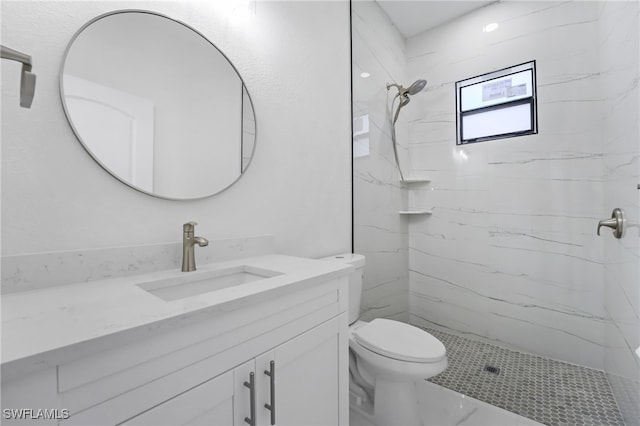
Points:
(403, 94)
(508, 254)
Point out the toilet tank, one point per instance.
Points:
(355, 281)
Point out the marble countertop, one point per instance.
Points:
(44, 327)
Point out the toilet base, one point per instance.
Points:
(360, 412)
(396, 403)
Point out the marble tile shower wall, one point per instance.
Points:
(510, 253)
(619, 48)
(380, 233)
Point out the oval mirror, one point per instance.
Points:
(157, 105)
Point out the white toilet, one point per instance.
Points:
(386, 360)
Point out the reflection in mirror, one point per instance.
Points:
(157, 105)
(248, 129)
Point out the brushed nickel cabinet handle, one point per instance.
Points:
(251, 384)
(271, 372)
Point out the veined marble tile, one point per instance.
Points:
(482, 255)
(622, 291)
(432, 312)
(386, 301)
(372, 26)
(510, 252)
(469, 286)
(622, 341)
(449, 226)
(619, 48)
(627, 394)
(380, 233)
(560, 336)
(547, 165)
(440, 406)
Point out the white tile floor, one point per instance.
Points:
(444, 407)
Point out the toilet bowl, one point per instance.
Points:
(397, 351)
(387, 360)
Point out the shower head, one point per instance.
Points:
(416, 87)
(403, 94)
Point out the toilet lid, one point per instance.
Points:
(400, 341)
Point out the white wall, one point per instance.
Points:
(380, 233)
(510, 253)
(619, 49)
(294, 59)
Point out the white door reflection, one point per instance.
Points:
(118, 128)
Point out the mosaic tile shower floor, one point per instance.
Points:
(548, 391)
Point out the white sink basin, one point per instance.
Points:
(196, 283)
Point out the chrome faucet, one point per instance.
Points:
(188, 243)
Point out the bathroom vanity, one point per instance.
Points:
(260, 341)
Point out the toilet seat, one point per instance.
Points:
(399, 341)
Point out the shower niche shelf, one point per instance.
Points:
(409, 180)
(415, 212)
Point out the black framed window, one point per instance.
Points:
(497, 105)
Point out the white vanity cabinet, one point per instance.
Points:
(305, 374)
(192, 369)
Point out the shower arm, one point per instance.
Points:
(397, 86)
(401, 90)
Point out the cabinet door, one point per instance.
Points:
(307, 379)
(210, 403)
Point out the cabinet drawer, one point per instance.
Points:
(234, 326)
(210, 403)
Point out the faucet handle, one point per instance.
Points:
(188, 227)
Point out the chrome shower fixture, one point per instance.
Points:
(27, 78)
(416, 87)
(403, 94)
